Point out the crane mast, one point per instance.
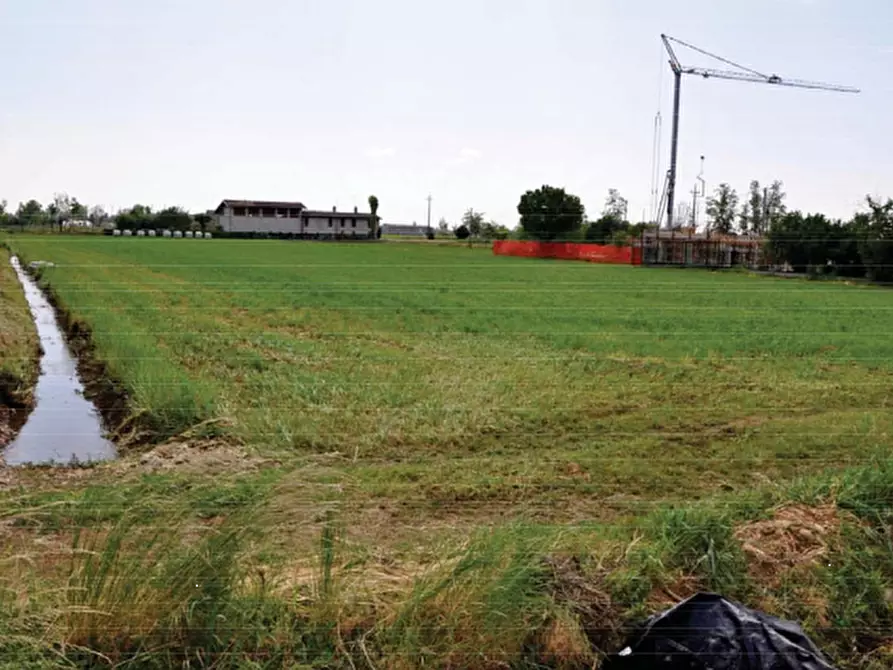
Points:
(741, 73)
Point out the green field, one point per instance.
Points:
(401, 397)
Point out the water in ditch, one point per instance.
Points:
(64, 428)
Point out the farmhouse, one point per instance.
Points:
(289, 218)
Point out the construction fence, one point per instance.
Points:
(667, 248)
(569, 251)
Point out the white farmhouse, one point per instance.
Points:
(290, 218)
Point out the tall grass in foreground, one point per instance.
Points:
(195, 595)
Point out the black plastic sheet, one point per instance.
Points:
(708, 632)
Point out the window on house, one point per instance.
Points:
(268, 212)
(238, 211)
(294, 213)
(330, 222)
(353, 223)
(251, 211)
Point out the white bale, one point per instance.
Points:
(178, 234)
(188, 234)
(141, 233)
(166, 233)
(207, 236)
(151, 233)
(116, 232)
(127, 233)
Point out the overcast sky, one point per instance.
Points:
(186, 102)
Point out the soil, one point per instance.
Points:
(795, 536)
(208, 456)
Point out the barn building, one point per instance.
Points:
(290, 219)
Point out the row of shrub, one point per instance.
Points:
(813, 243)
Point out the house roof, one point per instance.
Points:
(279, 204)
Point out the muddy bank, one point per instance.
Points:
(64, 427)
(19, 353)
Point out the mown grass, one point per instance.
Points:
(415, 396)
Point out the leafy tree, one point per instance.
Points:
(5, 217)
(77, 211)
(755, 207)
(30, 213)
(138, 217)
(443, 226)
(430, 233)
(373, 208)
(462, 232)
(603, 230)
(813, 243)
(773, 205)
(173, 218)
(721, 208)
(493, 231)
(60, 209)
(203, 221)
(877, 245)
(474, 221)
(616, 206)
(550, 213)
(744, 217)
(97, 215)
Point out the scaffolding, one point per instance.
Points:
(687, 248)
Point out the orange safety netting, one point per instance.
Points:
(571, 251)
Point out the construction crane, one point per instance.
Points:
(742, 73)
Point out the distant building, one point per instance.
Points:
(402, 230)
(290, 218)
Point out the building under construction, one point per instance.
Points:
(688, 248)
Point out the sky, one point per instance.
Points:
(188, 102)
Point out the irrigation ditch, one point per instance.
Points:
(66, 418)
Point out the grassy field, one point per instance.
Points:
(420, 436)
(18, 348)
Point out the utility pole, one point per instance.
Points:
(429, 210)
(741, 74)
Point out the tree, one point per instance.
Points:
(77, 211)
(173, 218)
(443, 226)
(5, 217)
(549, 213)
(373, 208)
(773, 204)
(744, 217)
(877, 245)
(97, 215)
(603, 230)
(30, 213)
(138, 217)
(462, 232)
(203, 221)
(616, 206)
(755, 208)
(721, 208)
(60, 210)
(474, 221)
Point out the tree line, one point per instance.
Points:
(551, 214)
(65, 210)
(757, 213)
